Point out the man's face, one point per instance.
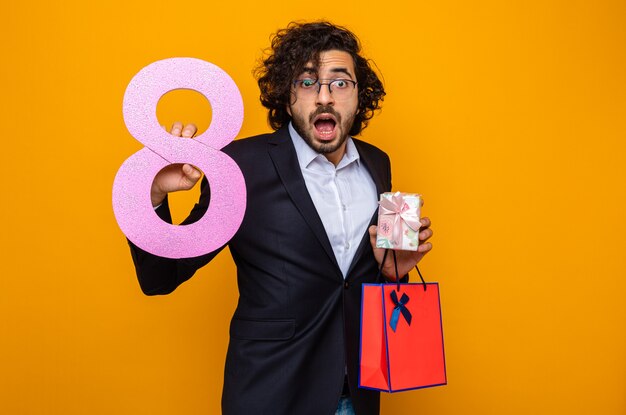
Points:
(323, 119)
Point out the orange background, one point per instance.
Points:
(507, 116)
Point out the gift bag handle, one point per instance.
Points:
(395, 263)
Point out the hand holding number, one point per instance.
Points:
(175, 177)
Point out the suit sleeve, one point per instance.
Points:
(159, 275)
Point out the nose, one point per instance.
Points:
(324, 97)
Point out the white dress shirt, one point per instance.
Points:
(344, 196)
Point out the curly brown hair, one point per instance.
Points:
(292, 48)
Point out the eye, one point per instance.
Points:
(340, 83)
(307, 83)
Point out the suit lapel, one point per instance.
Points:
(283, 155)
(377, 173)
(373, 167)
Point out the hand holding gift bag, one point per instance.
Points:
(401, 333)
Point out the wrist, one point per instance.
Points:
(157, 197)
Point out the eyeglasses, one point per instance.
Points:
(339, 88)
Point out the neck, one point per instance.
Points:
(336, 156)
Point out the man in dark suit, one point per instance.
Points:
(306, 243)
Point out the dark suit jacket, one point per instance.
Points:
(296, 326)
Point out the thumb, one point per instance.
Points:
(191, 173)
(372, 232)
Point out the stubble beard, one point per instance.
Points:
(322, 147)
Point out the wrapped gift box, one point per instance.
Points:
(398, 221)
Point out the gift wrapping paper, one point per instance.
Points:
(398, 221)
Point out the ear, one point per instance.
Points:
(288, 108)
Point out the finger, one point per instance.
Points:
(190, 176)
(189, 130)
(425, 223)
(425, 247)
(177, 128)
(197, 173)
(372, 230)
(191, 172)
(421, 201)
(425, 234)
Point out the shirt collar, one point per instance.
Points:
(306, 154)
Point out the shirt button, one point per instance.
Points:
(347, 246)
(344, 207)
(346, 285)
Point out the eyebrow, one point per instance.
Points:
(309, 70)
(341, 70)
(313, 71)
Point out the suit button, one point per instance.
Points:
(346, 285)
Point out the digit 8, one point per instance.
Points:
(131, 188)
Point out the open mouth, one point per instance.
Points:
(325, 126)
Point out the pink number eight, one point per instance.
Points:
(131, 188)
